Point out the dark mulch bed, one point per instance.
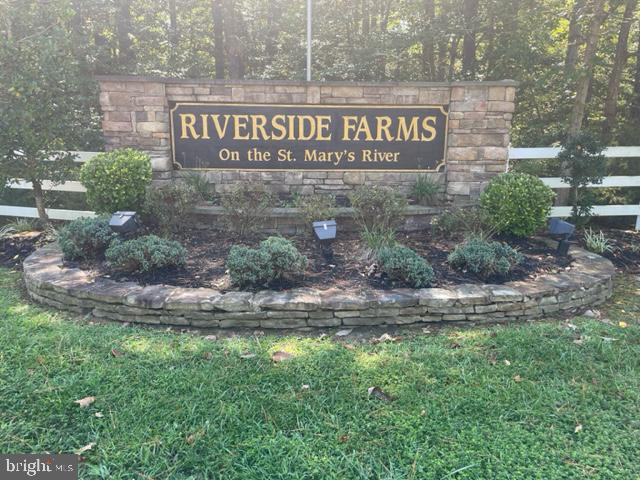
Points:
(350, 268)
(14, 249)
(626, 248)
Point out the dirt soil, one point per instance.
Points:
(625, 253)
(14, 249)
(350, 269)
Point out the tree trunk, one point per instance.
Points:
(635, 104)
(38, 195)
(234, 45)
(470, 12)
(218, 37)
(582, 86)
(173, 26)
(428, 66)
(453, 56)
(123, 31)
(574, 39)
(620, 60)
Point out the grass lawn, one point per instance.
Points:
(554, 400)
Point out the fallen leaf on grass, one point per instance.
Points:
(85, 402)
(98, 414)
(212, 338)
(385, 337)
(455, 345)
(207, 355)
(343, 438)
(116, 353)
(281, 356)
(426, 331)
(343, 333)
(507, 362)
(580, 340)
(517, 379)
(379, 394)
(81, 450)
(40, 360)
(570, 326)
(623, 324)
(305, 387)
(578, 428)
(247, 355)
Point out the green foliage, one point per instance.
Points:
(484, 258)
(401, 264)
(314, 208)
(378, 207)
(245, 207)
(517, 203)
(85, 238)
(168, 208)
(19, 225)
(376, 239)
(426, 190)
(462, 222)
(275, 260)
(145, 254)
(201, 185)
(597, 242)
(116, 180)
(582, 163)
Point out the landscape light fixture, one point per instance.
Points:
(564, 229)
(325, 231)
(124, 222)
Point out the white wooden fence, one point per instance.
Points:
(514, 154)
(611, 181)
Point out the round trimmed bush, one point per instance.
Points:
(85, 238)
(517, 203)
(145, 254)
(116, 180)
(403, 265)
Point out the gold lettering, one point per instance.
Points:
(429, 128)
(407, 133)
(238, 124)
(349, 124)
(220, 130)
(308, 119)
(278, 123)
(324, 123)
(258, 123)
(383, 124)
(188, 125)
(363, 126)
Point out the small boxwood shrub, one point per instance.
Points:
(85, 238)
(484, 258)
(517, 203)
(245, 207)
(167, 209)
(403, 265)
(314, 208)
(145, 254)
(462, 222)
(276, 259)
(116, 180)
(378, 208)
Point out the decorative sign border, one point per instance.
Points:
(443, 109)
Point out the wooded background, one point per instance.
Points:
(577, 61)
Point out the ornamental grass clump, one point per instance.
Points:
(145, 254)
(403, 265)
(517, 203)
(117, 180)
(85, 238)
(275, 260)
(485, 259)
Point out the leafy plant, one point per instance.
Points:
(517, 203)
(597, 242)
(200, 184)
(168, 208)
(314, 208)
(486, 259)
(378, 239)
(85, 238)
(116, 180)
(425, 190)
(19, 225)
(245, 207)
(404, 265)
(462, 222)
(276, 259)
(145, 254)
(582, 163)
(378, 207)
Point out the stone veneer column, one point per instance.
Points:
(136, 113)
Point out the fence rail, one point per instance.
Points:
(514, 154)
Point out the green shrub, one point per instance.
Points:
(168, 208)
(378, 208)
(201, 185)
(517, 203)
(276, 259)
(425, 191)
(85, 238)
(484, 258)
(314, 208)
(378, 239)
(245, 207)
(597, 242)
(116, 180)
(145, 254)
(462, 222)
(403, 265)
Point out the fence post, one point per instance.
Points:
(638, 223)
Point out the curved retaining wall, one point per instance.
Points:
(588, 282)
